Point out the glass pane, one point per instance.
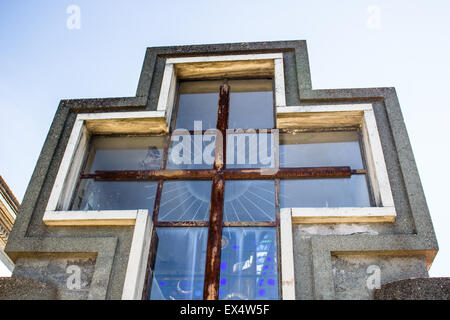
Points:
(115, 195)
(180, 264)
(348, 192)
(250, 150)
(185, 201)
(251, 104)
(125, 153)
(249, 200)
(248, 268)
(320, 149)
(191, 151)
(198, 101)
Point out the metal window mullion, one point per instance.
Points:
(214, 246)
(154, 241)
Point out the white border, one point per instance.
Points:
(76, 149)
(377, 171)
(169, 81)
(287, 255)
(137, 261)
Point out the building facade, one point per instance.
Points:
(226, 177)
(9, 206)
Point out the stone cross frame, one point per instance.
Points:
(121, 259)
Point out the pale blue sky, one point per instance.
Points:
(42, 61)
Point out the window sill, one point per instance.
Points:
(92, 218)
(341, 215)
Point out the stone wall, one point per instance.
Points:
(72, 276)
(415, 289)
(357, 276)
(12, 288)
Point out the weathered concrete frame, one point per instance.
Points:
(28, 237)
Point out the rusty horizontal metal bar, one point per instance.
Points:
(250, 224)
(230, 224)
(313, 129)
(182, 132)
(229, 174)
(288, 173)
(181, 224)
(359, 171)
(150, 175)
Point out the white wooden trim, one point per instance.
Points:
(74, 170)
(76, 149)
(168, 84)
(90, 218)
(287, 255)
(9, 210)
(167, 92)
(356, 114)
(342, 215)
(325, 108)
(375, 158)
(120, 115)
(240, 57)
(137, 260)
(6, 260)
(66, 163)
(280, 92)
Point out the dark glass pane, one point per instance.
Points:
(249, 200)
(351, 192)
(185, 201)
(125, 153)
(191, 151)
(180, 264)
(251, 104)
(198, 101)
(320, 149)
(114, 195)
(250, 150)
(248, 269)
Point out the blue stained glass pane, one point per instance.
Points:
(251, 110)
(114, 195)
(248, 149)
(320, 149)
(180, 264)
(191, 151)
(197, 107)
(249, 200)
(314, 193)
(185, 201)
(249, 257)
(125, 153)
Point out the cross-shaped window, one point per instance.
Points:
(215, 208)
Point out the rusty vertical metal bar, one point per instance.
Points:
(154, 241)
(222, 125)
(214, 248)
(146, 292)
(277, 219)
